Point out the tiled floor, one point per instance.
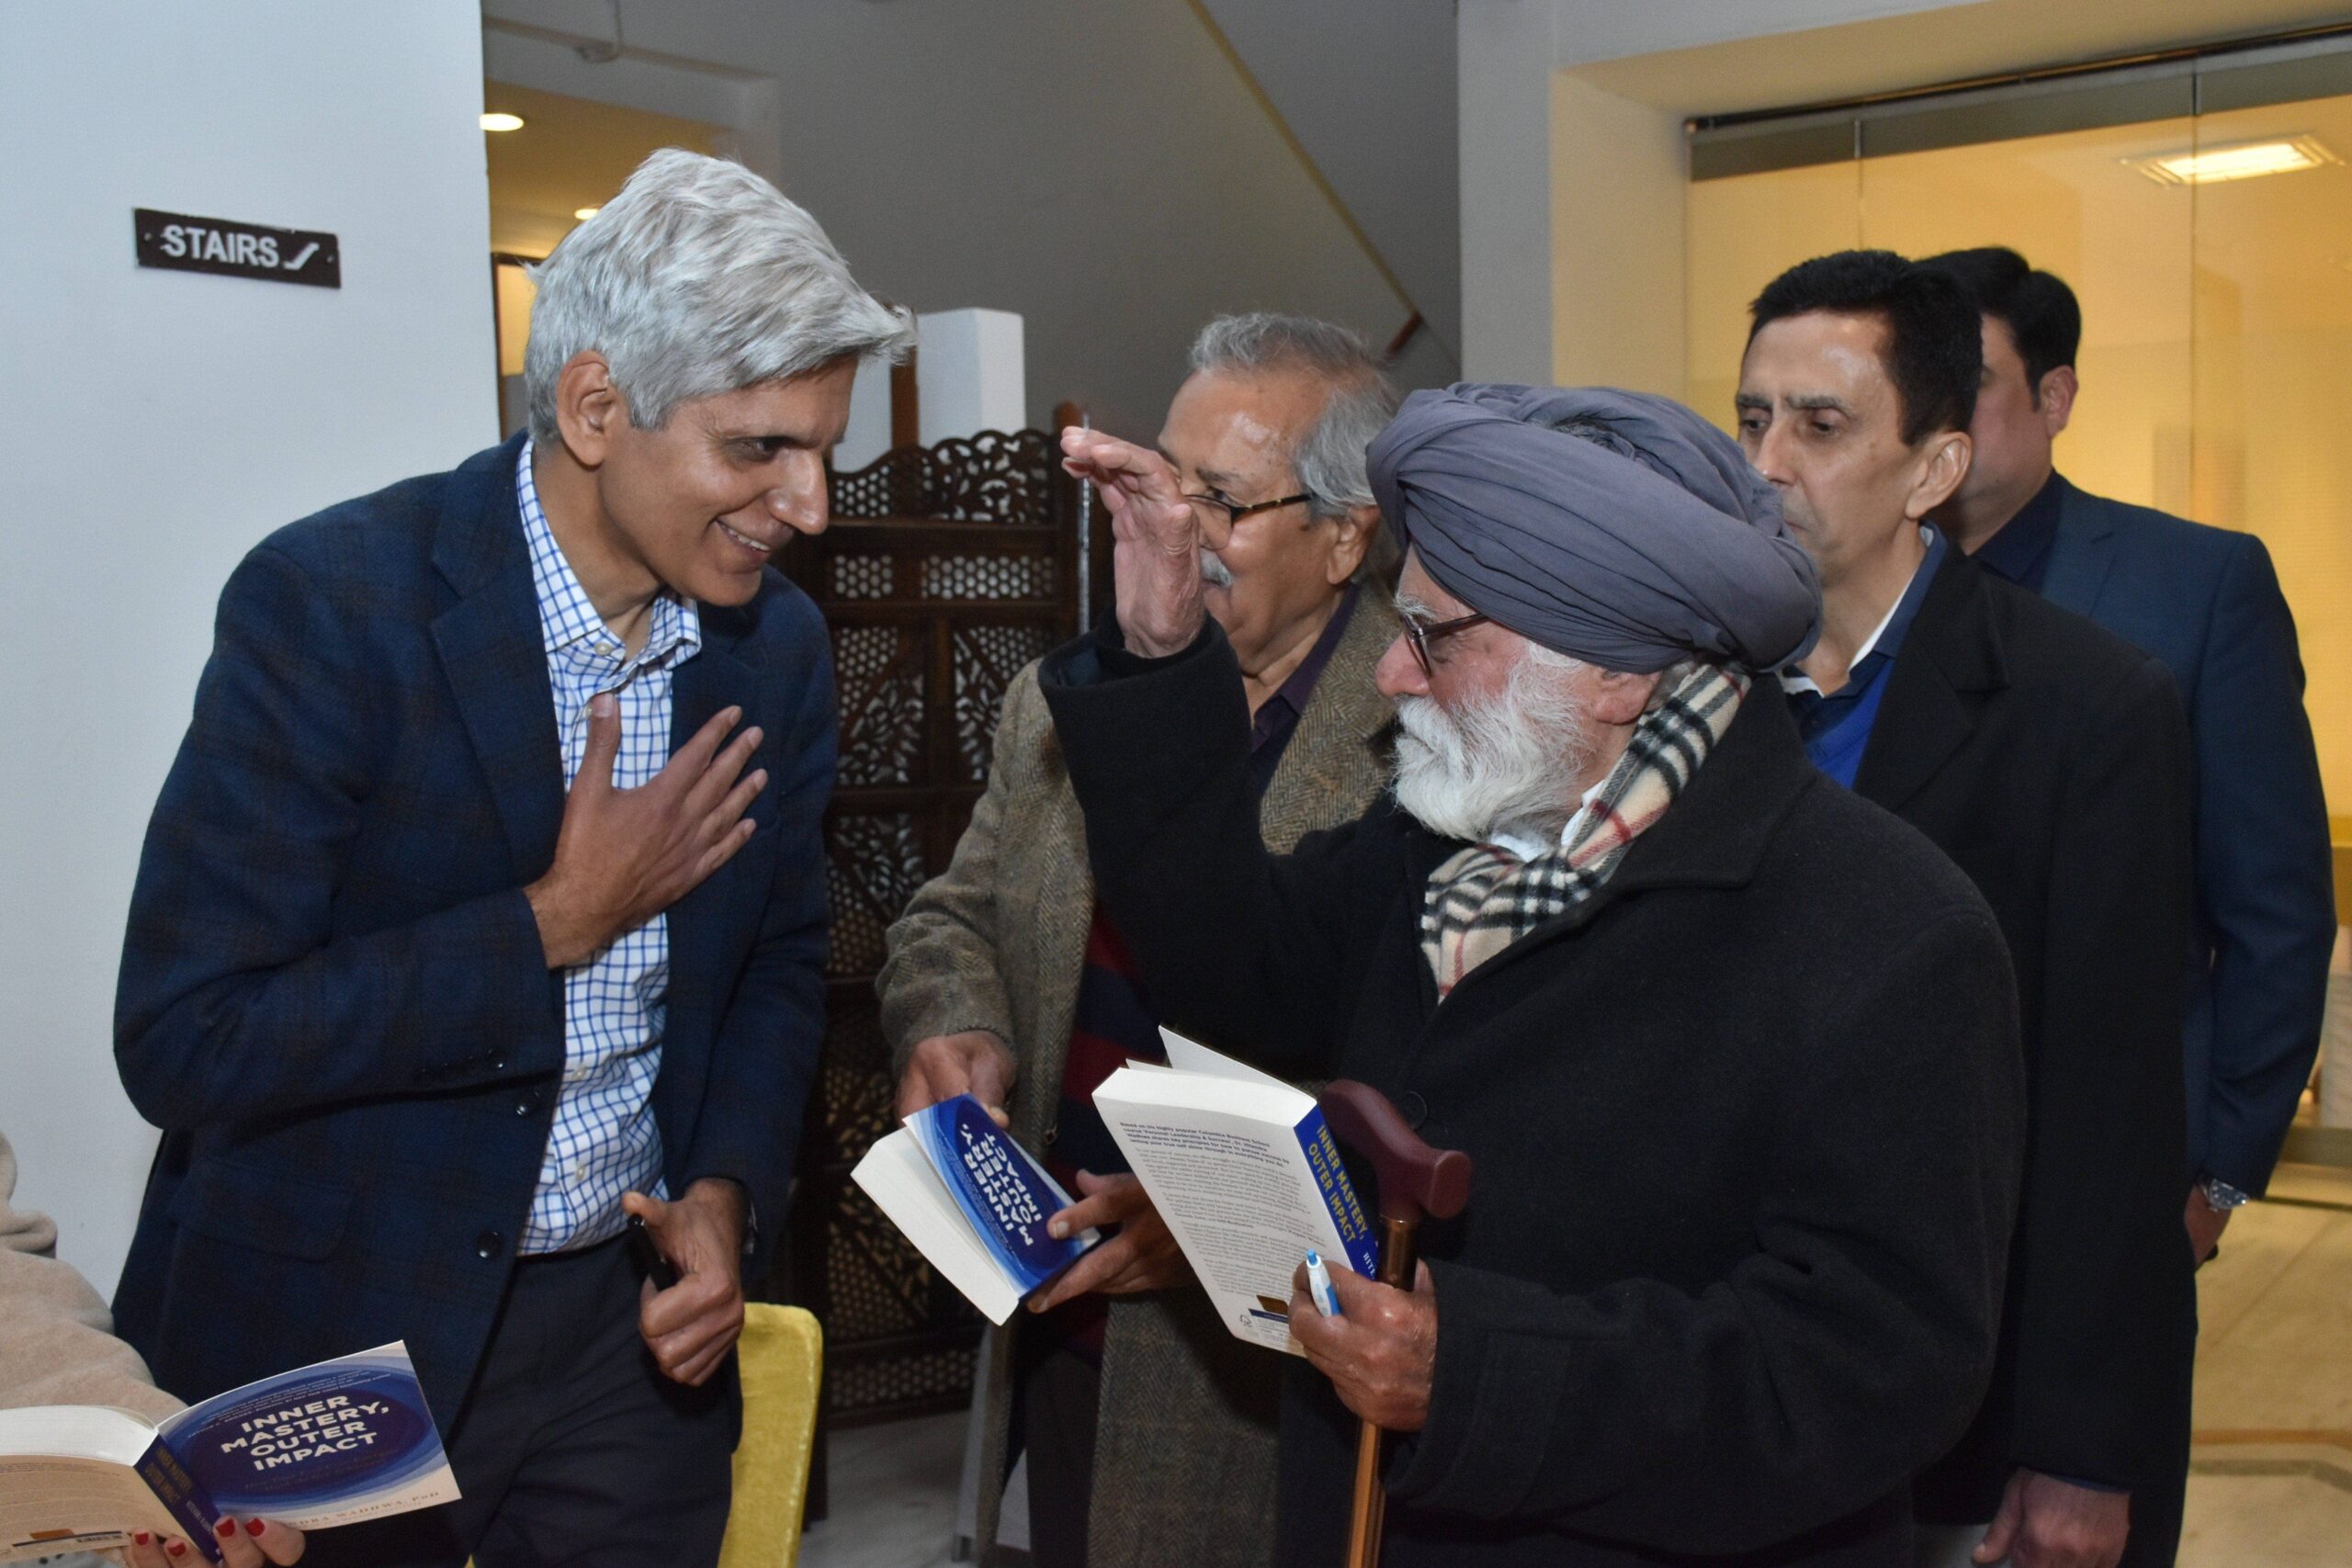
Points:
(2270, 1479)
(2270, 1484)
(893, 1496)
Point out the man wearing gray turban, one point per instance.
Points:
(1734, 1052)
(1612, 539)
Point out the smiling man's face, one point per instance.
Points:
(702, 502)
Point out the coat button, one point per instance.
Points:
(1412, 1108)
(487, 1244)
(525, 1106)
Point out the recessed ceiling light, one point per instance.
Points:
(2238, 161)
(584, 213)
(501, 122)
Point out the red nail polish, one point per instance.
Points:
(227, 1529)
(253, 1527)
(177, 1549)
(139, 1537)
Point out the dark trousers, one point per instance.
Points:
(573, 1448)
(1060, 1397)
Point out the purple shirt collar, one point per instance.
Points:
(1278, 713)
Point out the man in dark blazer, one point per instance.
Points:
(2205, 602)
(482, 909)
(2050, 760)
(1733, 1050)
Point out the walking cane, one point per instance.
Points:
(1415, 1180)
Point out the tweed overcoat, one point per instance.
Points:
(1184, 1459)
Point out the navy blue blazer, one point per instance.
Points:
(333, 998)
(2206, 602)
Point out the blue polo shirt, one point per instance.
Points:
(1836, 725)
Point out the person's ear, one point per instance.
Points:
(1623, 696)
(1947, 463)
(1351, 535)
(589, 408)
(2058, 390)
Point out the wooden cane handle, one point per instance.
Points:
(1415, 1180)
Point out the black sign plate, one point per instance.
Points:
(182, 243)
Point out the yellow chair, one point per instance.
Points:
(782, 1357)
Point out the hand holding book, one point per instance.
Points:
(242, 1543)
(1143, 1256)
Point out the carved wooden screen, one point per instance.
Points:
(946, 569)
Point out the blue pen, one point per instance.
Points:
(1318, 1285)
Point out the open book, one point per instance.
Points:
(1241, 1166)
(973, 1203)
(330, 1444)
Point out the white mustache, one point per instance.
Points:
(1213, 572)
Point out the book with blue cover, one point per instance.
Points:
(323, 1445)
(973, 1202)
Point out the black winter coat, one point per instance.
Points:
(1747, 1129)
(2050, 760)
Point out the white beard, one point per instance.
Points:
(1504, 764)
(1213, 572)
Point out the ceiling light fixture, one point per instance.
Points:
(501, 122)
(2238, 161)
(584, 213)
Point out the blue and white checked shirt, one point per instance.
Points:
(604, 1141)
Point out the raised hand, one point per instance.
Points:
(624, 855)
(1156, 562)
(974, 1062)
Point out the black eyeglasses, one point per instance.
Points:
(1420, 635)
(1234, 512)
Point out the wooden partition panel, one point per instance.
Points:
(947, 569)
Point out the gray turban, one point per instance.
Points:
(1637, 536)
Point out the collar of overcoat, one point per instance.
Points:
(494, 656)
(1952, 656)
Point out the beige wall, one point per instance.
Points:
(1617, 240)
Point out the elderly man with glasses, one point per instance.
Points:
(1734, 1052)
(1150, 1431)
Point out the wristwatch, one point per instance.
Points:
(2220, 1194)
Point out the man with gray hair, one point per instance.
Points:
(482, 917)
(1149, 1430)
(1734, 1053)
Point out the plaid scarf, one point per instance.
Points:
(1483, 897)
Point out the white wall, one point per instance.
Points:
(1372, 102)
(158, 423)
(1503, 56)
(1103, 171)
